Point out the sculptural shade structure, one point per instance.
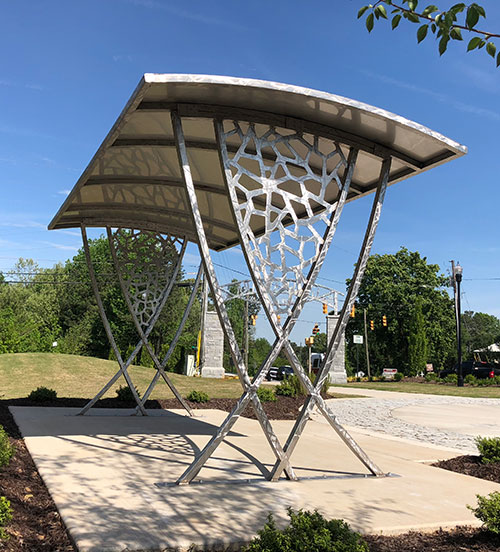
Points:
(225, 161)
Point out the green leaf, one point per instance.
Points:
(472, 16)
(369, 22)
(433, 27)
(443, 44)
(430, 9)
(482, 43)
(382, 11)
(458, 8)
(473, 43)
(498, 60)
(491, 49)
(412, 4)
(422, 33)
(456, 34)
(362, 11)
(413, 18)
(395, 21)
(480, 10)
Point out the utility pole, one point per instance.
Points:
(456, 275)
(245, 333)
(203, 322)
(366, 345)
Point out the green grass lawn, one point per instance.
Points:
(77, 376)
(82, 377)
(428, 388)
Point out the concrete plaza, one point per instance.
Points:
(112, 478)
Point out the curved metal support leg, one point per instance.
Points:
(123, 366)
(282, 333)
(144, 334)
(180, 329)
(250, 390)
(335, 341)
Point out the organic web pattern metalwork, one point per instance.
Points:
(146, 261)
(280, 177)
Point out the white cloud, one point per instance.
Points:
(438, 96)
(61, 246)
(192, 15)
(64, 192)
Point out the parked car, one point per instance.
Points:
(279, 373)
(477, 368)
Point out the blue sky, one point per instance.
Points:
(69, 67)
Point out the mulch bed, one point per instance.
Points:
(38, 527)
(472, 465)
(461, 539)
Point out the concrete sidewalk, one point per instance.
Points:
(112, 478)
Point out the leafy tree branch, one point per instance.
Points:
(444, 25)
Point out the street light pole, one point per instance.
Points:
(457, 273)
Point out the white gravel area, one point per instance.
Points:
(377, 415)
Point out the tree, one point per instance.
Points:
(446, 25)
(417, 341)
(390, 287)
(479, 330)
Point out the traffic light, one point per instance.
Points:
(384, 320)
(325, 308)
(353, 311)
(372, 325)
(254, 319)
(315, 329)
(278, 317)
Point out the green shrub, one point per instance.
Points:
(125, 395)
(307, 531)
(470, 379)
(290, 387)
(398, 376)
(451, 378)
(5, 516)
(42, 394)
(488, 511)
(324, 387)
(431, 376)
(6, 449)
(489, 449)
(198, 396)
(266, 394)
(485, 382)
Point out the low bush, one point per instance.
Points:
(307, 531)
(198, 396)
(6, 449)
(489, 449)
(398, 376)
(266, 394)
(431, 376)
(5, 516)
(488, 511)
(42, 394)
(470, 379)
(125, 395)
(324, 387)
(485, 382)
(290, 387)
(451, 378)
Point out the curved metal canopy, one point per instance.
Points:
(134, 179)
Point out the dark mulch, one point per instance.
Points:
(38, 527)
(471, 465)
(285, 408)
(461, 539)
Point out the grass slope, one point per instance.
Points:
(427, 388)
(77, 376)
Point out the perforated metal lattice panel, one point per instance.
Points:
(146, 261)
(279, 175)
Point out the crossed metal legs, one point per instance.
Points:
(270, 304)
